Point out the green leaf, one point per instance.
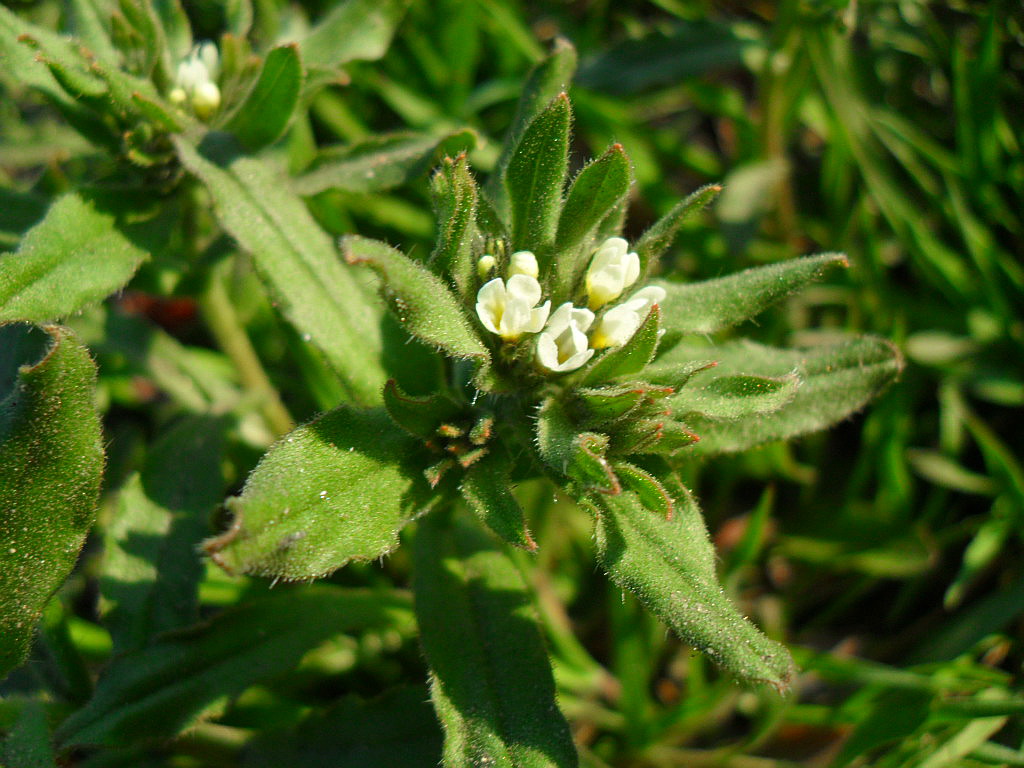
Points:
(151, 566)
(335, 490)
(455, 196)
(28, 745)
(380, 162)
(546, 80)
(727, 398)
(659, 237)
(632, 357)
(837, 381)
(419, 416)
(51, 463)
(571, 453)
(711, 305)
(397, 728)
(352, 30)
(73, 257)
(670, 565)
(157, 692)
(594, 194)
(536, 175)
(491, 678)
(298, 262)
(268, 108)
(418, 298)
(485, 487)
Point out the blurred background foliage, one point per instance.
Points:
(886, 551)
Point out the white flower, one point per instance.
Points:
(618, 324)
(562, 345)
(510, 310)
(612, 270)
(523, 263)
(194, 80)
(485, 265)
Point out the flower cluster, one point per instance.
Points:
(194, 82)
(569, 336)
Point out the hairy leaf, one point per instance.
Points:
(631, 357)
(337, 489)
(352, 30)
(418, 298)
(655, 241)
(151, 566)
(267, 109)
(836, 381)
(491, 678)
(709, 306)
(576, 455)
(669, 565)
(51, 463)
(297, 261)
(380, 162)
(485, 487)
(455, 197)
(536, 175)
(157, 692)
(727, 398)
(75, 256)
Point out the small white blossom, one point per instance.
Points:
(510, 310)
(612, 270)
(562, 345)
(619, 323)
(485, 265)
(194, 80)
(523, 263)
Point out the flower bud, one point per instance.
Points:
(619, 323)
(523, 263)
(508, 309)
(485, 265)
(562, 345)
(612, 270)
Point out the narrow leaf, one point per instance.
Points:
(335, 490)
(491, 678)
(51, 462)
(380, 162)
(837, 381)
(455, 197)
(727, 398)
(73, 257)
(594, 194)
(546, 80)
(267, 109)
(151, 566)
(156, 693)
(571, 453)
(669, 565)
(298, 262)
(709, 306)
(485, 487)
(418, 298)
(536, 175)
(655, 241)
(631, 357)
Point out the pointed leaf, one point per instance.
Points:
(546, 80)
(267, 109)
(380, 162)
(51, 463)
(669, 565)
(75, 256)
(419, 416)
(151, 566)
(727, 398)
(601, 406)
(655, 241)
(491, 678)
(485, 487)
(632, 357)
(709, 306)
(838, 380)
(594, 194)
(297, 261)
(418, 298)
(648, 489)
(455, 196)
(352, 30)
(156, 693)
(536, 175)
(571, 453)
(337, 489)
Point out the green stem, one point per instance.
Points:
(230, 335)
